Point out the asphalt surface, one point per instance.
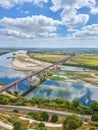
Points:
(26, 109)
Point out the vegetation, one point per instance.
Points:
(85, 61)
(44, 116)
(56, 78)
(57, 104)
(16, 110)
(52, 58)
(41, 126)
(54, 118)
(95, 117)
(17, 126)
(41, 116)
(72, 123)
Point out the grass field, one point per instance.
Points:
(48, 58)
(86, 59)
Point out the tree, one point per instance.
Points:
(75, 103)
(17, 126)
(4, 99)
(54, 118)
(95, 117)
(16, 110)
(59, 101)
(41, 126)
(94, 106)
(44, 116)
(72, 123)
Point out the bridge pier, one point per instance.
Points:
(16, 89)
(31, 82)
(31, 75)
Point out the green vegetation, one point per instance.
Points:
(57, 104)
(52, 58)
(41, 116)
(86, 61)
(71, 123)
(16, 110)
(95, 117)
(17, 126)
(1, 83)
(54, 118)
(56, 78)
(94, 106)
(41, 126)
(44, 116)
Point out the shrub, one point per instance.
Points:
(72, 123)
(16, 110)
(54, 118)
(95, 117)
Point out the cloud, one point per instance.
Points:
(94, 10)
(69, 11)
(28, 27)
(71, 4)
(10, 3)
(75, 20)
(87, 32)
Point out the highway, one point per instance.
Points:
(26, 109)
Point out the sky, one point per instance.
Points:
(49, 23)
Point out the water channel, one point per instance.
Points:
(85, 92)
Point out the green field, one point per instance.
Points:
(86, 59)
(47, 57)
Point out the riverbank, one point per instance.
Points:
(6, 93)
(24, 62)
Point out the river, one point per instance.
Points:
(85, 92)
(8, 74)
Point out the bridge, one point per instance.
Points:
(15, 83)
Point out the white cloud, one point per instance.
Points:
(87, 32)
(28, 27)
(94, 10)
(71, 4)
(10, 3)
(75, 20)
(39, 1)
(69, 13)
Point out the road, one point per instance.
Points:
(26, 109)
(46, 123)
(4, 125)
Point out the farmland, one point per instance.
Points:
(86, 59)
(52, 58)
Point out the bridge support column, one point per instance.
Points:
(16, 90)
(31, 82)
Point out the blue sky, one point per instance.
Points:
(49, 23)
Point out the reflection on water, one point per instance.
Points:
(66, 90)
(86, 93)
(8, 74)
(72, 69)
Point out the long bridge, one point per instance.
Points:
(15, 83)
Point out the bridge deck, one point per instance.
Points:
(13, 84)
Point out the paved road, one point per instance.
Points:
(27, 109)
(46, 123)
(4, 125)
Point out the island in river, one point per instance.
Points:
(24, 62)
